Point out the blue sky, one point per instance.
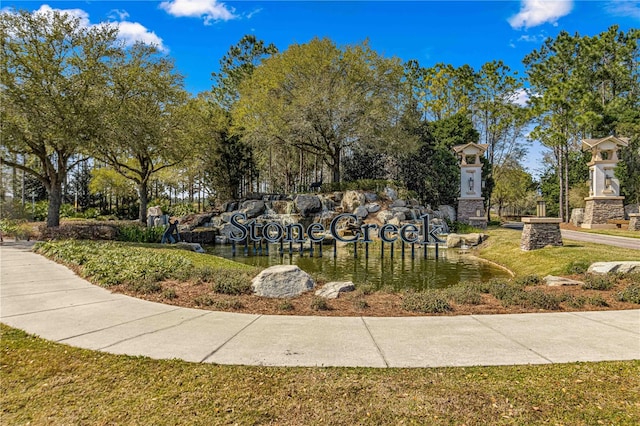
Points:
(197, 33)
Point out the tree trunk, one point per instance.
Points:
(55, 201)
(560, 173)
(566, 186)
(144, 199)
(335, 167)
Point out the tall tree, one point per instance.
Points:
(321, 99)
(145, 119)
(582, 87)
(555, 99)
(52, 69)
(238, 64)
(442, 90)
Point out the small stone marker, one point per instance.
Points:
(553, 281)
(540, 232)
(332, 290)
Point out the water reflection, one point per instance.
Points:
(395, 272)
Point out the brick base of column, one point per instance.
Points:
(598, 210)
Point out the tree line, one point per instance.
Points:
(76, 103)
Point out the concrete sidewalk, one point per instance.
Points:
(47, 299)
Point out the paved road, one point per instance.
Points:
(624, 242)
(47, 299)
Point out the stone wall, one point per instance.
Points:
(599, 210)
(468, 208)
(634, 222)
(540, 232)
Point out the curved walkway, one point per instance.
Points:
(47, 299)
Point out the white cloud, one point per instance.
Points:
(209, 10)
(629, 8)
(520, 97)
(118, 14)
(537, 12)
(132, 32)
(80, 14)
(128, 32)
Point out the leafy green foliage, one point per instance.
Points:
(430, 302)
(142, 269)
(319, 304)
(136, 233)
(599, 282)
(630, 294)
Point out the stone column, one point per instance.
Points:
(539, 232)
(604, 201)
(471, 203)
(634, 222)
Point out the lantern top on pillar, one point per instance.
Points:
(604, 149)
(470, 153)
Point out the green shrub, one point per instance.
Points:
(204, 300)
(577, 267)
(538, 299)
(464, 295)
(146, 286)
(286, 306)
(576, 302)
(599, 282)
(233, 304)
(231, 282)
(528, 280)
(597, 301)
(319, 304)
(508, 294)
(630, 294)
(169, 294)
(179, 210)
(430, 302)
(360, 304)
(137, 233)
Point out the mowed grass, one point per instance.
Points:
(503, 247)
(49, 383)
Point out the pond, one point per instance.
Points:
(396, 273)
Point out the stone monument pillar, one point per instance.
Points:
(604, 201)
(471, 203)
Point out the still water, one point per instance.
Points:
(396, 273)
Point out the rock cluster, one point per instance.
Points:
(367, 206)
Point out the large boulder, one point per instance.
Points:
(370, 196)
(282, 281)
(448, 212)
(361, 212)
(253, 208)
(373, 207)
(308, 204)
(384, 216)
(282, 206)
(391, 193)
(196, 220)
(352, 200)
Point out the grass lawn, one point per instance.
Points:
(503, 247)
(50, 383)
